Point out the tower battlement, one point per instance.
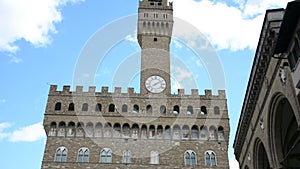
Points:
(130, 91)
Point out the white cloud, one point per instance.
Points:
(30, 133)
(227, 27)
(233, 164)
(3, 101)
(31, 20)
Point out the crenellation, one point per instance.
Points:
(92, 89)
(66, 89)
(208, 93)
(195, 92)
(130, 90)
(53, 89)
(181, 92)
(79, 89)
(104, 90)
(222, 94)
(118, 90)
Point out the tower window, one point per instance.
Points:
(98, 107)
(111, 108)
(217, 110)
(126, 157)
(210, 158)
(106, 155)
(136, 109)
(203, 110)
(83, 155)
(58, 106)
(124, 108)
(163, 109)
(155, 39)
(85, 107)
(149, 109)
(176, 110)
(190, 158)
(61, 154)
(71, 107)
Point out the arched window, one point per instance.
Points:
(210, 158)
(144, 132)
(107, 130)
(83, 155)
(195, 133)
(217, 110)
(126, 157)
(167, 132)
(212, 133)
(106, 155)
(98, 107)
(135, 131)
(220, 133)
(152, 131)
(126, 130)
(176, 110)
(71, 107)
(163, 109)
(85, 107)
(111, 108)
(203, 130)
(58, 106)
(160, 132)
(71, 129)
(136, 109)
(190, 110)
(98, 130)
(149, 109)
(124, 108)
(89, 130)
(61, 154)
(62, 129)
(80, 129)
(176, 132)
(185, 132)
(203, 110)
(117, 130)
(190, 158)
(154, 157)
(53, 127)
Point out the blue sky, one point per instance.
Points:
(41, 41)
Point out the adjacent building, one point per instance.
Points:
(268, 134)
(149, 129)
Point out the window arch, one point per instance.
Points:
(167, 133)
(126, 157)
(203, 110)
(111, 108)
(117, 130)
(124, 108)
(71, 107)
(217, 110)
(53, 127)
(210, 158)
(203, 130)
(163, 109)
(152, 131)
(149, 109)
(136, 109)
(126, 130)
(185, 132)
(135, 131)
(98, 107)
(83, 155)
(107, 130)
(144, 132)
(58, 106)
(61, 154)
(154, 157)
(106, 155)
(71, 129)
(220, 133)
(61, 129)
(176, 132)
(89, 129)
(98, 130)
(195, 132)
(176, 110)
(85, 107)
(212, 133)
(190, 110)
(190, 158)
(160, 132)
(80, 129)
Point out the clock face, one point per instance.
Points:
(155, 84)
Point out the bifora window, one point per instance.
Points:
(126, 157)
(210, 158)
(106, 155)
(61, 154)
(83, 155)
(190, 158)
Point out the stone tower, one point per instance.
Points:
(150, 129)
(155, 24)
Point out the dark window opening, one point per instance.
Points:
(98, 107)
(111, 108)
(71, 107)
(149, 109)
(176, 110)
(136, 108)
(124, 108)
(85, 107)
(203, 110)
(155, 39)
(58, 106)
(163, 109)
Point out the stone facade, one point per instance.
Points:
(101, 129)
(268, 131)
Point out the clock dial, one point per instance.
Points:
(155, 84)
